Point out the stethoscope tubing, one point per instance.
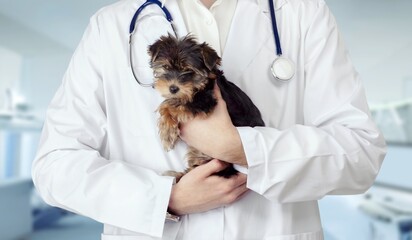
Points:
(133, 27)
(275, 28)
(169, 18)
(141, 8)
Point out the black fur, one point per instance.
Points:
(203, 101)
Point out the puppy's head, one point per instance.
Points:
(182, 67)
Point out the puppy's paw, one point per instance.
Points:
(169, 138)
(196, 158)
(168, 132)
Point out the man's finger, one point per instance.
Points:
(241, 191)
(239, 179)
(236, 193)
(211, 168)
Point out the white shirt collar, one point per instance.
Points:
(278, 3)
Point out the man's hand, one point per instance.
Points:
(215, 136)
(200, 190)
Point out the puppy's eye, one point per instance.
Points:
(167, 67)
(158, 72)
(186, 73)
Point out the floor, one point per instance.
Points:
(69, 228)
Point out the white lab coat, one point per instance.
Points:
(100, 154)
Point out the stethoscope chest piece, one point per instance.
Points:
(283, 69)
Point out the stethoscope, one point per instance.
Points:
(282, 68)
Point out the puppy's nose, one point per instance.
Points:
(174, 89)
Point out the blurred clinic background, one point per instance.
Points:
(37, 39)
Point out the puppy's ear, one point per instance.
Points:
(163, 45)
(153, 50)
(210, 57)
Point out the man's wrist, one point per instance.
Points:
(235, 153)
(171, 214)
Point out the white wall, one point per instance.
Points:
(42, 74)
(30, 62)
(378, 36)
(10, 66)
(44, 35)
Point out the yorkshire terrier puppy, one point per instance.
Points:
(185, 73)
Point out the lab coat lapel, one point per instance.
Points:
(251, 29)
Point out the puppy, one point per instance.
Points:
(185, 73)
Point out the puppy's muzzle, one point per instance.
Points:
(174, 89)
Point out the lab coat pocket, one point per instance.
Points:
(318, 235)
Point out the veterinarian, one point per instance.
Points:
(100, 154)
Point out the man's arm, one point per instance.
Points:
(215, 136)
(338, 150)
